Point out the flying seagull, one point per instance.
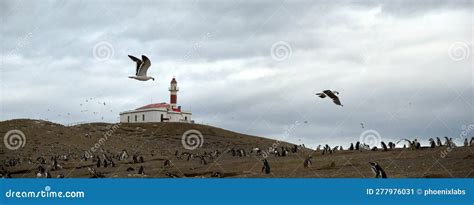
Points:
(142, 68)
(330, 94)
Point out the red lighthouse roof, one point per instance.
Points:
(159, 105)
(155, 105)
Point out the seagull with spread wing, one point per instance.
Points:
(142, 68)
(330, 94)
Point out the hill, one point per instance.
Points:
(158, 142)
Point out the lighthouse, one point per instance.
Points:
(159, 112)
(173, 93)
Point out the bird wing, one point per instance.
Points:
(144, 67)
(336, 101)
(138, 61)
(330, 94)
(321, 95)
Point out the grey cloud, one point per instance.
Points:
(377, 53)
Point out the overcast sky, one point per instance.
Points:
(403, 68)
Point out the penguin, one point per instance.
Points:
(377, 169)
(47, 174)
(384, 146)
(417, 144)
(41, 169)
(94, 173)
(391, 145)
(55, 164)
(167, 163)
(266, 167)
(447, 141)
(203, 160)
(217, 175)
(141, 171)
(307, 162)
(432, 143)
(438, 142)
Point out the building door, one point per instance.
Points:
(161, 119)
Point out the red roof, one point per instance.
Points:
(158, 105)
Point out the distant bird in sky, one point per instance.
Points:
(142, 68)
(330, 94)
(362, 125)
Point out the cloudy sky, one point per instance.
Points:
(403, 68)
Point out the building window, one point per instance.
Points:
(143, 116)
(128, 118)
(161, 119)
(135, 118)
(186, 118)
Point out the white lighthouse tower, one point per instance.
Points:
(173, 93)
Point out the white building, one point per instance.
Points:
(159, 112)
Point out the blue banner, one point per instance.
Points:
(237, 191)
